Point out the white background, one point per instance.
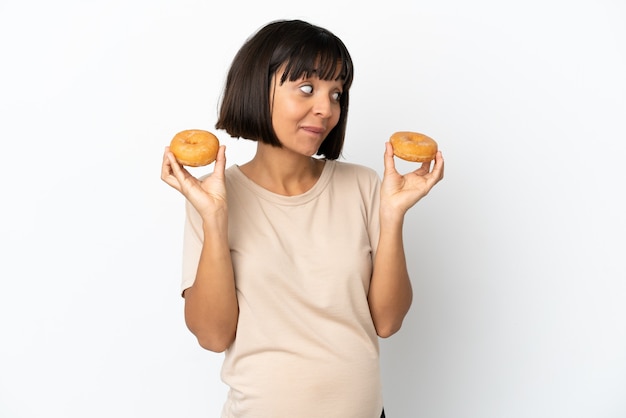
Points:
(517, 257)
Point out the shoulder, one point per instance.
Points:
(354, 178)
(357, 171)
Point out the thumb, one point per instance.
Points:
(220, 161)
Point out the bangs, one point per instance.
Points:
(324, 57)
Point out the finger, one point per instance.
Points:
(173, 162)
(438, 168)
(220, 162)
(166, 167)
(389, 163)
(178, 173)
(167, 174)
(424, 168)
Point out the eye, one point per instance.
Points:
(306, 88)
(336, 96)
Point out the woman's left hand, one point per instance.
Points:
(400, 192)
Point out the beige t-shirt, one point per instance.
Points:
(306, 346)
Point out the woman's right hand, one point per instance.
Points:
(211, 307)
(207, 196)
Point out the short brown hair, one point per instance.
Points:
(304, 49)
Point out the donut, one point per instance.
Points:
(413, 146)
(194, 147)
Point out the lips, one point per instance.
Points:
(314, 129)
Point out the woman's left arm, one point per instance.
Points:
(390, 293)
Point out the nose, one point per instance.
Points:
(323, 106)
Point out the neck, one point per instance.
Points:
(282, 171)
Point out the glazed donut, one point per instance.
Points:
(194, 147)
(413, 146)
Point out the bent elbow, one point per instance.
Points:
(216, 345)
(386, 333)
(213, 339)
(387, 330)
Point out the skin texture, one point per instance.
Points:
(303, 112)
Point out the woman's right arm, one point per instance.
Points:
(211, 309)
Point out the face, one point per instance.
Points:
(304, 112)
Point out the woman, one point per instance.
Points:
(294, 262)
